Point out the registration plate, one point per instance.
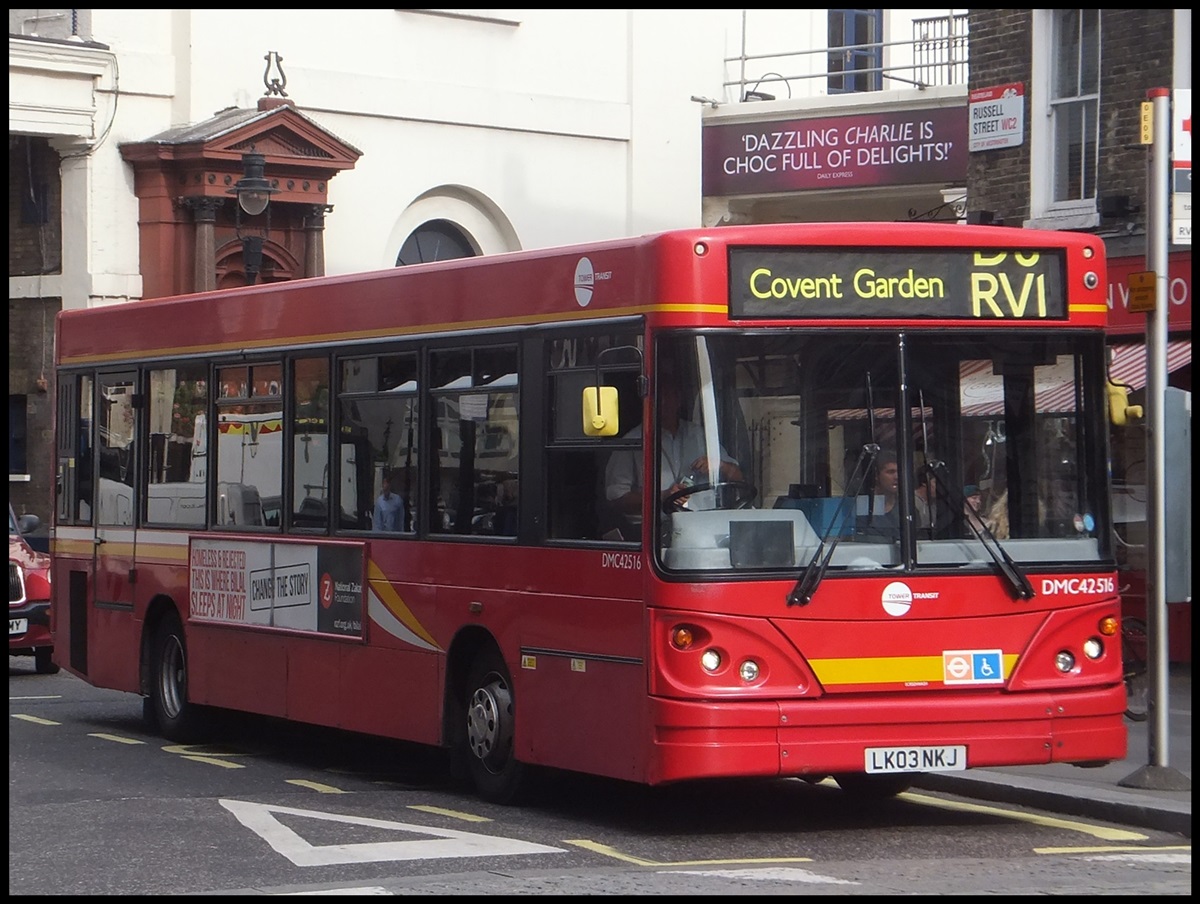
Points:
(948, 758)
(17, 626)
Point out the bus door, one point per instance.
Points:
(74, 502)
(115, 514)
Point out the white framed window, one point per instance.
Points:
(1065, 133)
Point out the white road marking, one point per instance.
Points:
(261, 819)
(363, 890)
(776, 874)
(1148, 857)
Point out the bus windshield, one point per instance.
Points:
(894, 449)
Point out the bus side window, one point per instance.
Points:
(249, 454)
(116, 456)
(309, 452)
(577, 458)
(572, 484)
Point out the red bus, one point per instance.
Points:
(792, 596)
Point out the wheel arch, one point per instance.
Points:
(158, 609)
(464, 649)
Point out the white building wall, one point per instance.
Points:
(527, 128)
(522, 131)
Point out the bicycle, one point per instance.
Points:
(1134, 649)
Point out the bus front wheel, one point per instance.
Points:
(491, 726)
(177, 718)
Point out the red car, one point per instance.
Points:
(28, 596)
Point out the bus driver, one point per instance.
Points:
(682, 462)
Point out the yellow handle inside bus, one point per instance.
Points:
(600, 411)
(1119, 411)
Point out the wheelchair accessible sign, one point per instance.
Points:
(972, 667)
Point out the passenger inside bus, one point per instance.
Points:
(389, 507)
(933, 513)
(882, 521)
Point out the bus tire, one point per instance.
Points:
(149, 715)
(496, 773)
(861, 786)
(177, 719)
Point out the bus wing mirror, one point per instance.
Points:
(600, 411)
(1119, 411)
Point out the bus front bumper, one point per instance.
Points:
(828, 735)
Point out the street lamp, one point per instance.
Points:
(253, 193)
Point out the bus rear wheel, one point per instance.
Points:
(176, 717)
(496, 773)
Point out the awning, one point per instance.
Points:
(1055, 388)
(983, 391)
(1128, 366)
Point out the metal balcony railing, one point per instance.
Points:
(937, 54)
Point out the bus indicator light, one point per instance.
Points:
(682, 637)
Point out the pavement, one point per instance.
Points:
(1144, 789)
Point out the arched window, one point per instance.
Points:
(437, 240)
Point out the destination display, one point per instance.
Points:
(988, 284)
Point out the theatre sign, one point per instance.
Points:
(905, 147)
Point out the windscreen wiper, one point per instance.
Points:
(937, 468)
(1009, 568)
(802, 593)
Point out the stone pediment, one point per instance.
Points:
(281, 143)
(283, 135)
(206, 157)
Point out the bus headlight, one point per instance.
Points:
(748, 670)
(1093, 648)
(1064, 661)
(710, 659)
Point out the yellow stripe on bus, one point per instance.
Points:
(888, 669)
(71, 547)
